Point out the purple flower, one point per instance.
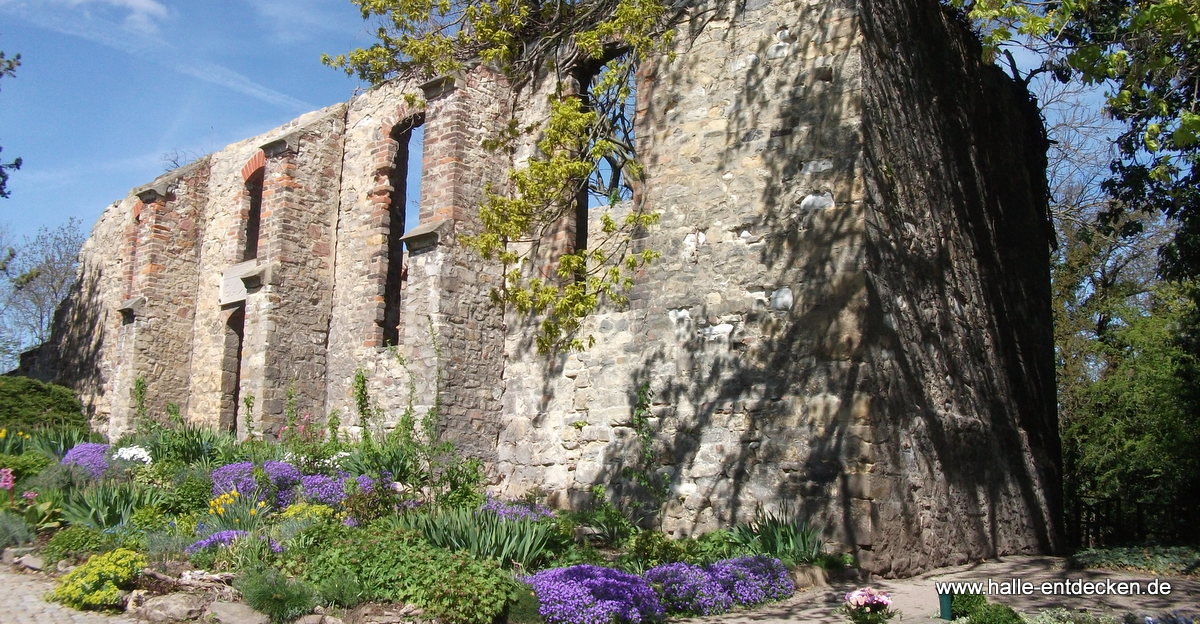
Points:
(220, 538)
(688, 589)
(281, 478)
(588, 594)
(331, 491)
(92, 457)
(753, 580)
(516, 510)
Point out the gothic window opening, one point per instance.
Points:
(404, 205)
(254, 190)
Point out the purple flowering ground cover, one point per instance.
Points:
(753, 580)
(327, 490)
(92, 457)
(588, 594)
(282, 477)
(688, 589)
(517, 510)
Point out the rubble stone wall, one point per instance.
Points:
(849, 318)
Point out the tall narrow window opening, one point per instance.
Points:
(404, 207)
(231, 369)
(254, 189)
(608, 86)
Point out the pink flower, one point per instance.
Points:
(6, 478)
(29, 495)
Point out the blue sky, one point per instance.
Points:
(107, 87)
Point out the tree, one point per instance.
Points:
(584, 146)
(38, 275)
(1146, 53)
(8, 67)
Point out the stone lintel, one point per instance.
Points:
(154, 192)
(427, 235)
(131, 308)
(286, 144)
(239, 279)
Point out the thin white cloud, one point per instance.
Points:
(154, 49)
(139, 15)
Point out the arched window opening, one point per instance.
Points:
(254, 190)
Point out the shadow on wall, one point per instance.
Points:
(929, 345)
(73, 355)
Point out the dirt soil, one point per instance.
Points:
(917, 599)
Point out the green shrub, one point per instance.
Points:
(54, 442)
(648, 549)
(189, 493)
(26, 403)
(963, 605)
(14, 531)
(97, 584)
(275, 595)
(524, 608)
(402, 567)
(991, 613)
(26, 464)
(340, 591)
(1181, 560)
(76, 542)
(611, 526)
(108, 504)
(511, 542)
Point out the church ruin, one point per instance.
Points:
(851, 311)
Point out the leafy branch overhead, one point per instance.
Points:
(585, 157)
(1145, 55)
(8, 67)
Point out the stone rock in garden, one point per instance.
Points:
(33, 562)
(63, 566)
(809, 576)
(222, 612)
(136, 599)
(312, 618)
(10, 555)
(173, 608)
(385, 614)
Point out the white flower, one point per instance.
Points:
(133, 453)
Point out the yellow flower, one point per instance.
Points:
(253, 511)
(3, 432)
(220, 510)
(262, 503)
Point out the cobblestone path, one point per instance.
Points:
(21, 603)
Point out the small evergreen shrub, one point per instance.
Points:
(275, 595)
(76, 542)
(992, 613)
(14, 531)
(26, 403)
(97, 584)
(1064, 616)
(648, 549)
(963, 605)
(341, 591)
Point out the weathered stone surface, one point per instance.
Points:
(173, 608)
(10, 554)
(32, 562)
(221, 612)
(850, 310)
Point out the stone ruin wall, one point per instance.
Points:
(851, 313)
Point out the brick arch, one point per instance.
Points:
(254, 165)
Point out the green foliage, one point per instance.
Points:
(781, 535)
(27, 403)
(402, 567)
(108, 504)
(345, 592)
(611, 526)
(97, 584)
(641, 469)
(992, 613)
(514, 542)
(648, 549)
(14, 531)
(54, 442)
(1064, 616)
(139, 391)
(76, 542)
(524, 608)
(712, 547)
(1157, 560)
(964, 605)
(25, 465)
(8, 67)
(188, 492)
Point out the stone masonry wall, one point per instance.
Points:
(850, 312)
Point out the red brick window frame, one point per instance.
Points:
(253, 177)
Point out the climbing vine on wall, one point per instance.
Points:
(584, 146)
